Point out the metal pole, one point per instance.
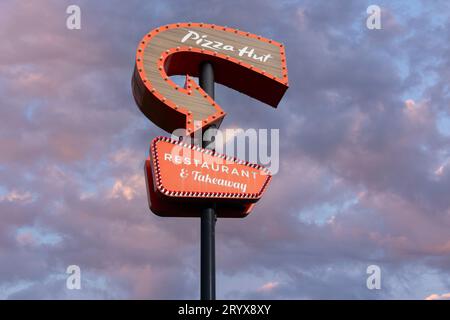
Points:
(208, 217)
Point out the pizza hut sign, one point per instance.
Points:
(204, 42)
(182, 178)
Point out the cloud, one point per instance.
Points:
(129, 188)
(269, 286)
(17, 196)
(435, 296)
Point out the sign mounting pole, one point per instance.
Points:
(208, 216)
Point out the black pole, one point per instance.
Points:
(208, 218)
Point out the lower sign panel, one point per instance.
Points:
(165, 207)
(182, 179)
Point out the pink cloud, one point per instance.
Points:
(435, 296)
(269, 286)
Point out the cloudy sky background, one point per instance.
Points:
(365, 155)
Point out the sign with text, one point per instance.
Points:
(185, 207)
(248, 63)
(185, 171)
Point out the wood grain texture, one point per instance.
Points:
(255, 66)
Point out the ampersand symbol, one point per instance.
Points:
(184, 174)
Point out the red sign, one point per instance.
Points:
(246, 62)
(178, 171)
(183, 170)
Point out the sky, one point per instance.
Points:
(364, 174)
